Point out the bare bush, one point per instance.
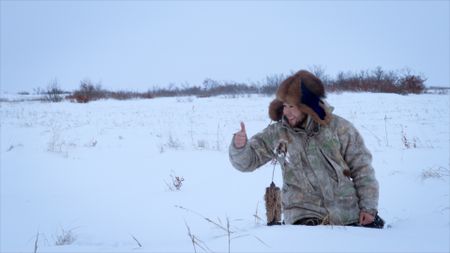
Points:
(271, 84)
(412, 84)
(176, 184)
(215, 88)
(319, 71)
(202, 144)
(23, 93)
(408, 143)
(210, 84)
(173, 143)
(378, 80)
(434, 172)
(125, 95)
(53, 92)
(65, 238)
(437, 90)
(88, 92)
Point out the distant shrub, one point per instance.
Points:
(38, 91)
(437, 90)
(412, 84)
(123, 95)
(319, 72)
(88, 92)
(53, 92)
(229, 89)
(378, 80)
(271, 84)
(65, 238)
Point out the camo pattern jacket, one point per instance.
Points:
(327, 172)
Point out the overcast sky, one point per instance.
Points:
(135, 45)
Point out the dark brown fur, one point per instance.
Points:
(289, 92)
(273, 204)
(276, 110)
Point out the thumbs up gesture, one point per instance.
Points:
(240, 138)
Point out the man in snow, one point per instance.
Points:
(327, 173)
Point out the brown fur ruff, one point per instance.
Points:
(289, 92)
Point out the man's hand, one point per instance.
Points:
(365, 218)
(240, 138)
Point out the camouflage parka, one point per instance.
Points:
(327, 171)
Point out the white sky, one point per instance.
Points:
(135, 45)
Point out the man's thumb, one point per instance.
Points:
(243, 127)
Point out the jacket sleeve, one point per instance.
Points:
(359, 160)
(257, 151)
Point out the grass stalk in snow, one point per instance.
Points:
(228, 235)
(36, 242)
(385, 130)
(191, 236)
(218, 138)
(196, 242)
(257, 218)
(137, 241)
(227, 229)
(206, 218)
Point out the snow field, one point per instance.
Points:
(101, 173)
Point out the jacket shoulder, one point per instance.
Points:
(273, 130)
(340, 124)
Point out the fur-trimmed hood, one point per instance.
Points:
(307, 92)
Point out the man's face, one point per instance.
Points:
(293, 114)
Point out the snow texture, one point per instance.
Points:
(101, 177)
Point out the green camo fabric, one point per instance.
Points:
(327, 171)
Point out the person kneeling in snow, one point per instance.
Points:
(327, 173)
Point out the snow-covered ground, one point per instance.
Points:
(98, 177)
